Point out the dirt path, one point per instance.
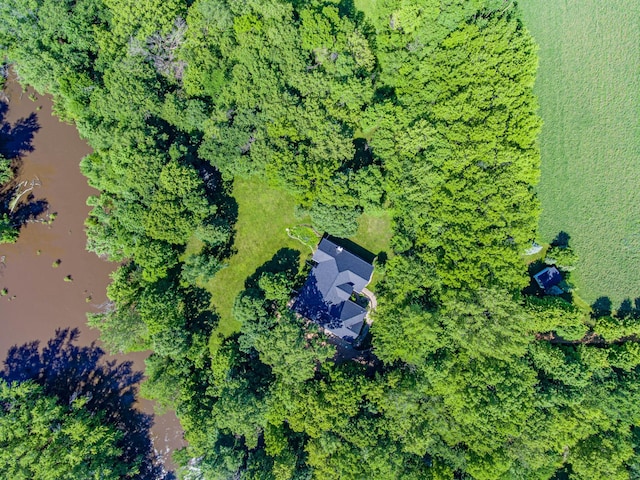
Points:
(373, 303)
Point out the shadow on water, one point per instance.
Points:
(68, 371)
(17, 198)
(17, 139)
(29, 211)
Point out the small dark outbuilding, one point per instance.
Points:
(325, 297)
(548, 278)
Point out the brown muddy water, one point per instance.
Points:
(39, 300)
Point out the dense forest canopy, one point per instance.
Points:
(82, 446)
(420, 108)
(65, 413)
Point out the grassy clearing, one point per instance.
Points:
(374, 233)
(264, 214)
(366, 6)
(589, 92)
(193, 247)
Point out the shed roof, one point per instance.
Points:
(548, 277)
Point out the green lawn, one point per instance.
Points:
(588, 86)
(374, 233)
(366, 6)
(264, 214)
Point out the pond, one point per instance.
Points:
(51, 280)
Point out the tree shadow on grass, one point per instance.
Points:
(562, 240)
(218, 192)
(68, 371)
(628, 309)
(285, 260)
(603, 307)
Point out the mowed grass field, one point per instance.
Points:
(264, 214)
(588, 86)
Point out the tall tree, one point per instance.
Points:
(41, 439)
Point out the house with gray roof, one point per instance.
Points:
(326, 297)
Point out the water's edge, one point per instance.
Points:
(39, 300)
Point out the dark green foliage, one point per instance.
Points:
(42, 439)
(290, 346)
(555, 314)
(292, 98)
(491, 325)
(459, 147)
(6, 173)
(65, 413)
(337, 221)
(613, 328)
(199, 269)
(562, 257)
(53, 43)
(8, 232)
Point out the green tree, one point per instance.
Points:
(43, 439)
(337, 221)
(491, 324)
(421, 107)
(463, 160)
(6, 173)
(562, 257)
(8, 232)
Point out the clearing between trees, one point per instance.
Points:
(264, 214)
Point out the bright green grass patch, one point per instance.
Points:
(193, 247)
(588, 86)
(304, 234)
(264, 213)
(374, 234)
(366, 6)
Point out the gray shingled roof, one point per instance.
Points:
(324, 297)
(548, 277)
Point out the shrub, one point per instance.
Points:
(337, 221)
